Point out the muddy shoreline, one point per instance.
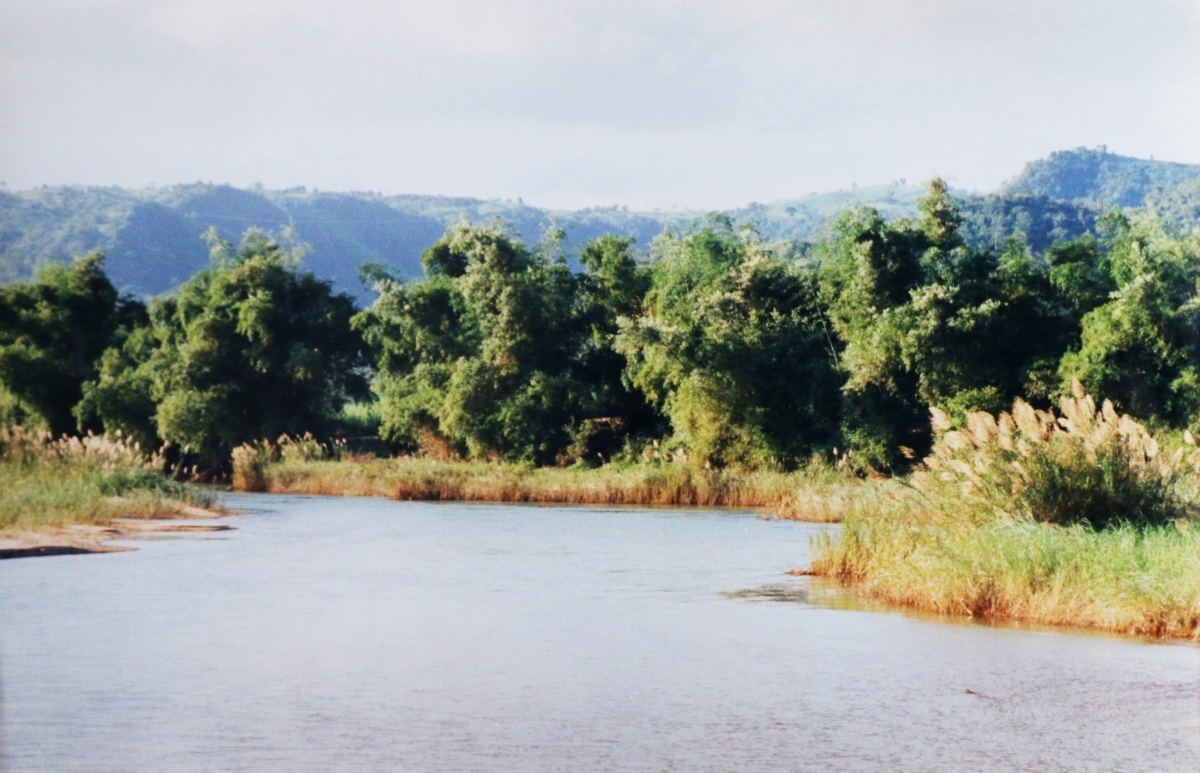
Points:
(83, 538)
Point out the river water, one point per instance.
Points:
(365, 635)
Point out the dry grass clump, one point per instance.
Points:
(1086, 466)
(52, 482)
(1074, 519)
(304, 466)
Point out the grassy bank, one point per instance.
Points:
(302, 467)
(91, 480)
(1125, 579)
(1078, 520)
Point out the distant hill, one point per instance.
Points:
(990, 220)
(152, 236)
(1099, 178)
(1178, 208)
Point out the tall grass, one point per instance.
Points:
(56, 482)
(305, 466)
(1073, 519)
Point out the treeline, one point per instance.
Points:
(715, 347)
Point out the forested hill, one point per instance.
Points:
(1095, 176)
(152, 237)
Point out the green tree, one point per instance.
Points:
(253, 347)
(1081, 272)
(52, 331)
(502, 351)
(924, 320)
(1141, 348)
(733, 349)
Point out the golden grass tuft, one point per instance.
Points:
(47, 482)
(813, 495)
(1075, 519)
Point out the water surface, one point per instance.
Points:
(364, 635)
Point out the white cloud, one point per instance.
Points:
(696, 102)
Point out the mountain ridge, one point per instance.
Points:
(152, 236)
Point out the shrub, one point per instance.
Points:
(46, 481)
(1085, 466)
(250, 462)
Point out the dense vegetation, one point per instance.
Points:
(52, 332)
(1095, 176)
(714, 367)
(47, 482)
(1077, 518)
(715, 348)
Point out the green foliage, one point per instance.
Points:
(252, 347)
(1178, 207)
(122, 395)
(503, 352)
(1141, 348)
(721, 346)
(1123, 579)
(52, 331)
(1081, 272)
(1081, 466)
(54, 482)
(149, 234)
(925, 320)
(733, 347)
(1095, 176)
(1077, 518)
(990, 221)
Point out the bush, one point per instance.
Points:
(1086, 466)
(48, 482)
(1078, 519)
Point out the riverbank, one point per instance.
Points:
(819, 495)
(73, 494)
(1122, 580)
(1076, 520)
(96, 537)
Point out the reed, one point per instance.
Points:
(46, 482)
(1076, 519)
(304, 466)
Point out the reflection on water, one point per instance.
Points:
(363, 635)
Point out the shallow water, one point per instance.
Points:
(365, 635)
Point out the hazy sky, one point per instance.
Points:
(646, 103)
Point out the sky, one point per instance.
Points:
(646, 103)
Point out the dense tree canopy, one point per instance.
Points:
(51, 333)
(927, 321)
(250, 348)
(1140, 346)
(712, 346)
(503, 352)
(734, 349)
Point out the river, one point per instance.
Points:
(333, 634)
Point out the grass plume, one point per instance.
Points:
(305, 466)
(1073, 519)
(47, 482)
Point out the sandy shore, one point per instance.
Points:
(93, 538)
